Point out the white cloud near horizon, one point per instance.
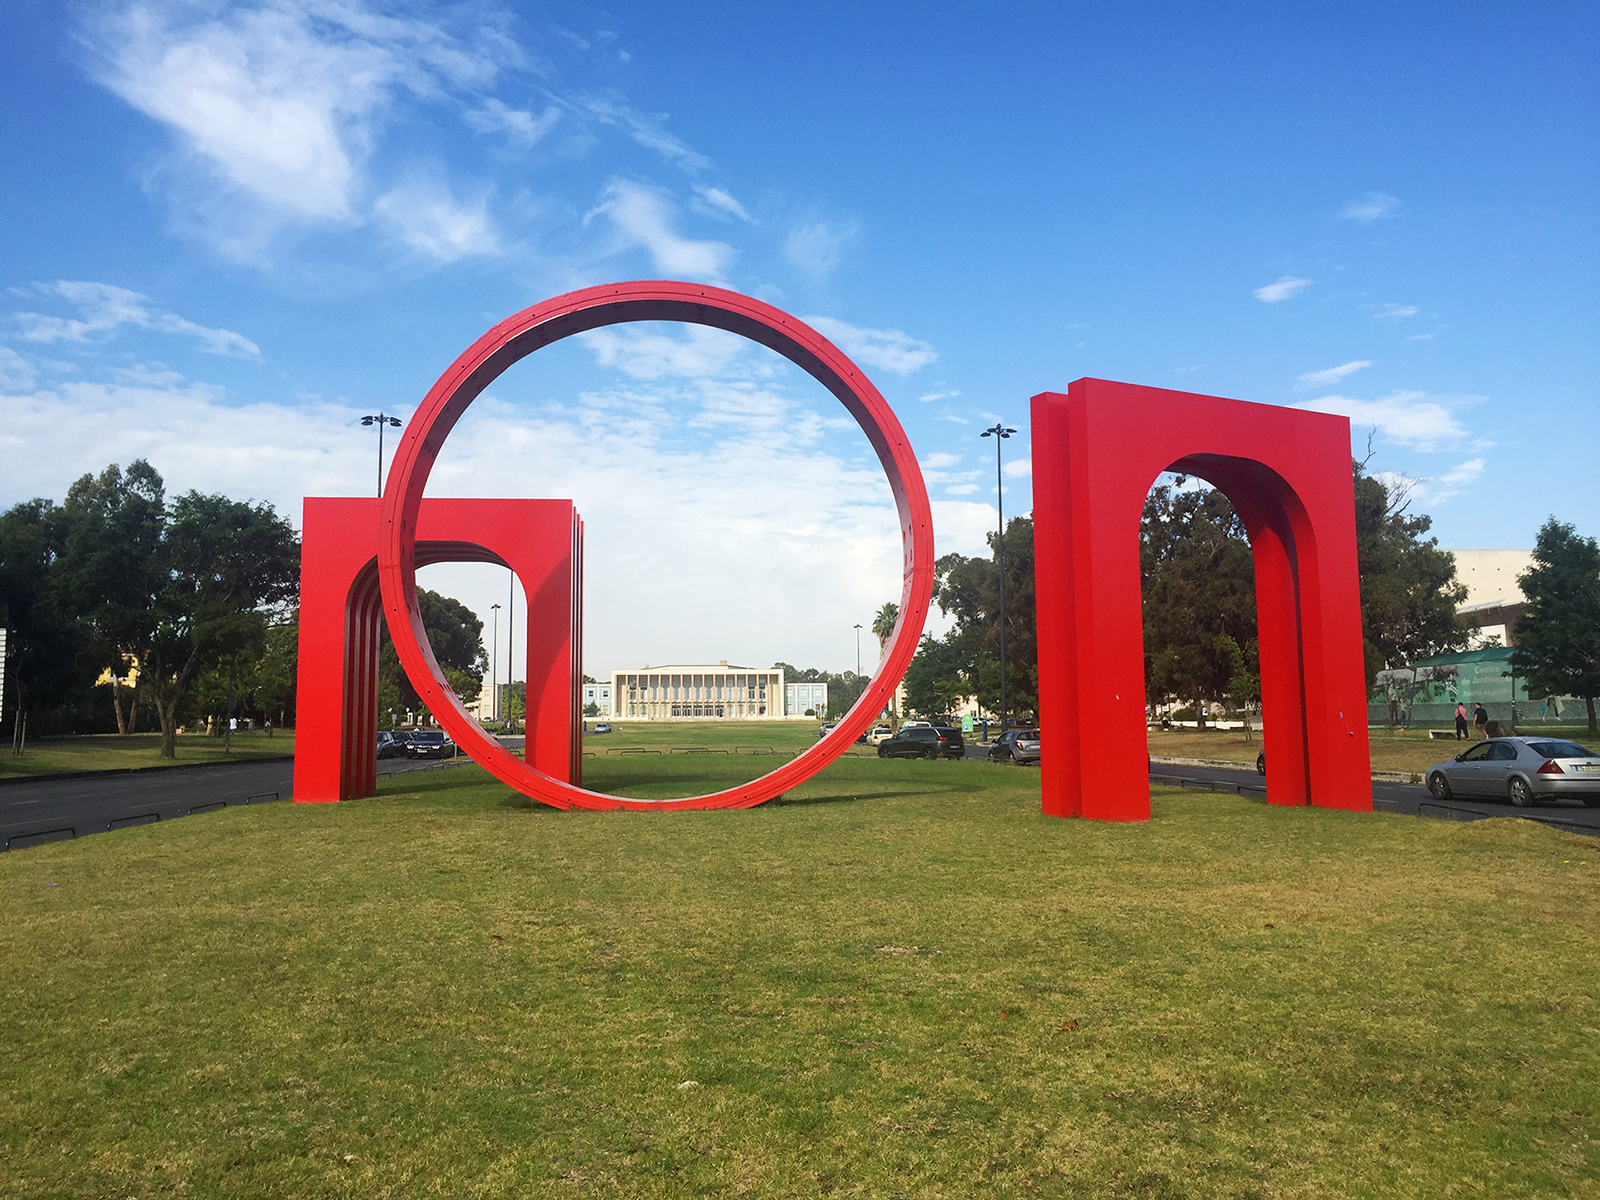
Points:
(1374, 206)
(644, 217)
(1431, 490)
(1332, 374)
(103, 308)
(1414, 419)
(1285, 288)
(719, 200)
(889, 349)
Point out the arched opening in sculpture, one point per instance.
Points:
(1096, 451)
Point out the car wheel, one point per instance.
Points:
(1521, 793)
(1439, 786)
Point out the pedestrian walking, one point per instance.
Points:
(1480, 720)
(1461, 721)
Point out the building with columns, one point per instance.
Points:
(697, 691)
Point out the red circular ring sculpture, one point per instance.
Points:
(611, 304)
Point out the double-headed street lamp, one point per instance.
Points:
(380, 421)
(494, 668)
(1000, 433)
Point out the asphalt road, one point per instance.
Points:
(47, 810)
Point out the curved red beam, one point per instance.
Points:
(611, 304)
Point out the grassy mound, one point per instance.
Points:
(900, 981)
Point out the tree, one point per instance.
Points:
(883, 624)
(109, 569)
(968, 589)
(43, 644)
(1198, 593)
(1409, 591)
(456, 634)
(1558, 636)
(226, 565)
(936, 681)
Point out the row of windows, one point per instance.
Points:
(697, 710)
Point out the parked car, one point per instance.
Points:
(390, 743)
(826, 728)
(879, 734)
(1020, 746)
(602, 726)
(430, 743)
(918, 741)
(955, 746)
(1522, 770)
(916, 724)
(1261, 763)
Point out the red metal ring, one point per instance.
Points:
(592, 308)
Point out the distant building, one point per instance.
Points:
(1495, 602)
(801, 698)
(697, 691)
(599, 695)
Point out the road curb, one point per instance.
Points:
(1229, 764)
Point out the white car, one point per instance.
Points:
(879, 733)
(916, 724)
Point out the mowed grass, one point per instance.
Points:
(902, 981)
(111, 751)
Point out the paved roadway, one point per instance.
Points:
(47, 810)
(37, 811)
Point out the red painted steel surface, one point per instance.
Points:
(340, 611)
(1096, 452)
(591, 308)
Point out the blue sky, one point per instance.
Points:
(232, 229)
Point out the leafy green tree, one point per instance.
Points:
(44, 645)
(227, 565)
(969, 590)
(1558, 636)
(456, 635)
(936, 681)
(109, 571)
(1409, 590)
(1199, 596)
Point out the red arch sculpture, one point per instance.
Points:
(1096, 451)
(337, 715)
(592, 308)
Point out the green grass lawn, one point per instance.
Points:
(901, 981)
(110, 751)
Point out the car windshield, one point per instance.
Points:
(431, 738)
(1560, 750)
(1028, 735)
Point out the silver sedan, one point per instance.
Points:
(1521, 770)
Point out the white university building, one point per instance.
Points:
(697, 691)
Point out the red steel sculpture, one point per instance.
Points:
(1096, 452)
(337, 719)
(403, 522)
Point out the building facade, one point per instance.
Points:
(801, 699)
(700, 691)
(598, 695)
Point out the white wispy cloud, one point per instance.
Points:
(17, 374)
(1430, 490)
(887, 348)
(275, 107)
(644, 217)
(1396, 312)
(939, 459)
(1415, 419)
(425, 215)
(103, 308)
(817, 247)
(1283, 289)
(648, 131)
(719, 200)
(520, 126)
(930, 397)
(1374, 206)
(1332, 374)
(1018, 468)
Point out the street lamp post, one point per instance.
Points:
(381, 420)
(494, 667)
(1000, 433)
(858, 652)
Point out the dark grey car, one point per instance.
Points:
(1521, 770)
(1020, 746)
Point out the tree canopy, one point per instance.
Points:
(1558, 636)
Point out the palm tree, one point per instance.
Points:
(883, 629)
